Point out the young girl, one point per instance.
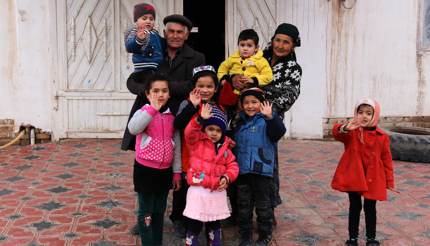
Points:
(212, 168)
(205, 89)
(365, 168)
(155, 153)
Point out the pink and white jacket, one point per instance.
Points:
(155, 145)
(206, 166)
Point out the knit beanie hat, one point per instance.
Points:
(254, 91)
(219, 118)
(143, 9)
(376, 110)
(290, 30)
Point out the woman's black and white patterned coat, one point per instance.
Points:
(284, 90)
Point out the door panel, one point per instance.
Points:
(91, 93)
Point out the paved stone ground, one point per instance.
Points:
(79, 192)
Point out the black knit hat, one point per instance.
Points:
(290, 30)
(254, 91)
(143, 9)
(178, 19)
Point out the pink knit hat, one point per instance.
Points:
(376, 109)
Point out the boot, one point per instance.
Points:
(264, 240)
(372, 242)
(351, 242)
(191, 239)
(213, 237)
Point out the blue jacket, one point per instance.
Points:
(147, 53)
(256, 139)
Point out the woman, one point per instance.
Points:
(284, 90)
(285, 87)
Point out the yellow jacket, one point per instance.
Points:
(256, 66)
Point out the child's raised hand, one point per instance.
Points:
(223, 184)
(141, 33)
(195, 97)
(266, 109)
(353, 124)
(206, 112)
(153, 101)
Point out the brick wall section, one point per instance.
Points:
(7, 128)
(384, 122)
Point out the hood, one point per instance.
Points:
(376, 110)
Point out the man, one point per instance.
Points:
(179, 61)
(178, 64)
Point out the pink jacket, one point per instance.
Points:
(155, 147)
(206, 166)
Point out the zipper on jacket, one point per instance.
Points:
(163, 137)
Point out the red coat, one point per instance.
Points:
(364, 167)
(206, 166)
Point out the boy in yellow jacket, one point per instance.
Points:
(248, 63)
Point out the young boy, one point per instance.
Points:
(248, 63)
(143, 40)
(256, 135)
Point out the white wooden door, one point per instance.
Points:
(261, 15)
(91, 93)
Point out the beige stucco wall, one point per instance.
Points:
(25, 63)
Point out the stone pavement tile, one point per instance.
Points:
(51, 240)
(82, 191)
(20, 232)
(16, 241)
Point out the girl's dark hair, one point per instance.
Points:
(214, 79)
(155, 77)
(248, 34)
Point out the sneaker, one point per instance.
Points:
(179, 229)
(245, 242)
(372, 242)
(135, 230)
(351, 242)
(263, 241)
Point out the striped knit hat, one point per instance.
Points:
(219, 118)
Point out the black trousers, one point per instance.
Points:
(179, 201)
(355, 207)
(255, 191)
